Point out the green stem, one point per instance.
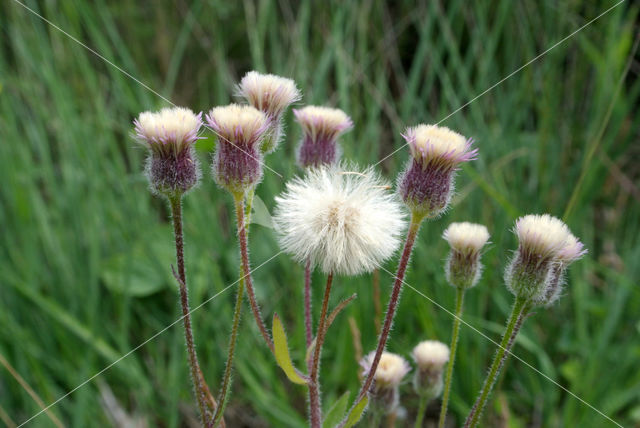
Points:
(249, 204)
(176, 215)
(452, 357)
(498, 361)
(422, 408)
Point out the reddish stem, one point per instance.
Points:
(314, 387)
(308, 323)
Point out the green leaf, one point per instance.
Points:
(282, 352)
(260, 213)
(356, 412)
(336, 411)
(310, 350)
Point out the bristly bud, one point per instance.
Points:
(172, 167)
(569, 253)
(271, 95)
(427, 183)
(463, 266)
(237, 163)
(430, 356)
(540, 240)
(321, 127)
(383, 393)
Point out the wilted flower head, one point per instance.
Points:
(270, 94)
(321, 126)
(342, 220)
(463, 266)
(427, 183)
(391, 370)
(569, 253)
(172, 167)
(237, 163)
(430, 356)
(540, 240)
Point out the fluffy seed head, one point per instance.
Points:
(171, 167)
(170, 130)
(237, 163)
(321, 127)
(391, 369)
(430, 354)
(342, 220)
(268, 93)
(427, 183)
(540, 239)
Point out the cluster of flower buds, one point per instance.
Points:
(384, 395)
(430, 356)
(463, 265)
(545, 248)
(321, 127)
(271, 95)
(169, 134)
(427, 183)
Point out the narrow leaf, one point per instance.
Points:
(356, 413)
(283, 357)
(310, 350)
(336, 411)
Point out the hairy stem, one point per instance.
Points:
(314, 386)
(422, 408)
(498, 361)
(246, 269)
(249, 204)
(452, 357)
(176, 215)
(308, 322)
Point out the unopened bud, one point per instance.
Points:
(430, 356)
(466, 240)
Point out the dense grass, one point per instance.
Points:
(85, 254)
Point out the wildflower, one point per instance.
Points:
(388, 376)
(463, 266)
(237, 163)
(344, 222)
(321, 126)
(430, 356)
(427, 183)
(270, 94)
(172, 167)
(569, 253)
(540, 240)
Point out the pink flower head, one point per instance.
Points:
(321, 127)
(439, 147)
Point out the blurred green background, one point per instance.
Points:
(86, 250)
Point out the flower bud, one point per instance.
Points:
(430, 356)
(271, 95)
(392, 368)
(463, 266)
(237, 163)
(540, 240)
(572, 251)
(427, 183)
(172, 167)
(321, 127)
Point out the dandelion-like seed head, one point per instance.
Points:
(430, 356)
(237, 163)
(540, 240)
(463, 265)
(342, 220)
(427, 183)
(172, 168)
(268, 93)
(321, 127)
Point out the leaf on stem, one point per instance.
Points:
(283, 358)
(356, 413)
(336, 411)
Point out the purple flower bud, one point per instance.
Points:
(237, 163)
(172, 168)
(427, 183)
(321, 127)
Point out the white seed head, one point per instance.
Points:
(175, 126)
(572, 250)
(542, 236)
(342, 220)
(430, 354)
(391, 369)
(466, 238)
(268, 93)
(322, 122)
(237, 123)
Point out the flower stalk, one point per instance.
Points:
(308, 322)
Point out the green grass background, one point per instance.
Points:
(85, 249)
